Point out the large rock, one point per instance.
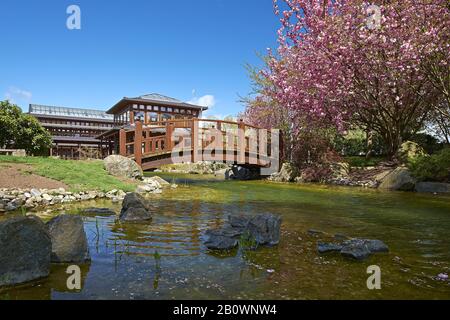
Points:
(25, 250)
(135, 209)
(400, 179)
(433, 187)
(221, 239)
(69, 242)
(263, 229)
(409, 151)
(119, 166)
(288, 173)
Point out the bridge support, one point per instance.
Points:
(123, 142)
(138, 143)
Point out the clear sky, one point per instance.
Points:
(187, 49)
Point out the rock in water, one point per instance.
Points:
(359, 249)
(356, 251)
(25, 250)
(400, 179)
(328, 247)
(219, 239)
(135, 209)
(265, 229)
(119, 166)
(99, 212)
(69, 242)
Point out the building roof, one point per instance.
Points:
(54, 111)
(153, 98)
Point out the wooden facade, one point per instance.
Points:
(74, 131)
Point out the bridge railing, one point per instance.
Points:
(248, 144)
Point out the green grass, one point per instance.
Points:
(78, 175)
(363, 162)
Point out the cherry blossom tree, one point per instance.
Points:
(350, 61)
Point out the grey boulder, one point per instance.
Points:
(264, 229)
(120, 166)
(220, 239)
(69, 242)
(25, 250)
(398, 180)
(135, 209)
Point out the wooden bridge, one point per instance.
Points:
(194, 140)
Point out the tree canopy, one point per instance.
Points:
(22, 131)
(335, 67)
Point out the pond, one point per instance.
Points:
(165, 259)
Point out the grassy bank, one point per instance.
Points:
(78, 175)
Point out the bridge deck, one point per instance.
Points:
(193, 140)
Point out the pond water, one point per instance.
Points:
(124, 265)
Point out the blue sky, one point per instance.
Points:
(184, 49)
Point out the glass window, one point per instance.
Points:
(176, 110)
(139, 116)
(163, 109)
(182, 111)
(141, 107)
(189, 111)
(169, 109)
(155, 108)
(152, 116)
(166, 117)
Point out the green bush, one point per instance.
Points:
(363, 161)
(432, 168)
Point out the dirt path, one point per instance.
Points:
(20, 176)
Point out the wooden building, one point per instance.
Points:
(149, 110)
(74, 131)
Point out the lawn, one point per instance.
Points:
(78, 175)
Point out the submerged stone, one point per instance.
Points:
(99, 212)
(359, 249)
(328, 247)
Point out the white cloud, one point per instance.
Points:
(15, 95)
(205, 101)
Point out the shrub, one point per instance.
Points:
(432, 168)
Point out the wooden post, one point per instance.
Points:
(131, 117)
(194, 141)
(122, 142)
(138, 143)
(169, 132)
(241, 142)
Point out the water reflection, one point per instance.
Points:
(165, 258)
